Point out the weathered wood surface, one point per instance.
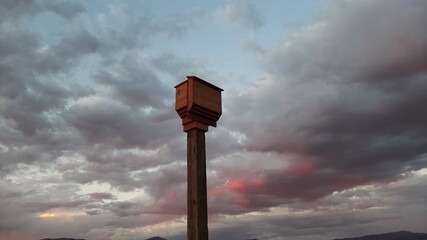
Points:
(197, 206)
(198, 101)
(206, 96)
(181, 100)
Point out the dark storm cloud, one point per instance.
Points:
(373, 37)
(299, 226)
(27, 109)
(93, 212)
(107, 131)
(14, 10)
(26, 96)
(106, 121)
(166, 179)
(33, 103)
(78, 43)
(67, 10)
(31, 130)
(345, 100)
(133, 83)
(18, 9)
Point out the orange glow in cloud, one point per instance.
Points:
(62, 215)
(47, 215)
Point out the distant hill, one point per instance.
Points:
(62, 239)
(402, 235)
(156, 238)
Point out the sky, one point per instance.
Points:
(323, 133)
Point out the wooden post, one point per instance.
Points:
(197, 205)
(198, 103)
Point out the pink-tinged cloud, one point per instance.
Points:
(303, 181)
(336, 104)
(237, 186)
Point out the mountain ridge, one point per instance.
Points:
(401, 235)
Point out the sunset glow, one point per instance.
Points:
(322, 131)
(47, 215)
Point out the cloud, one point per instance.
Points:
(67, 10)
(133, 82)
(30, 103)
(101, 195)
(16, 10)
(137, 32)
(69, 100)
(20, 10)
(103, 120)
(333, 133)
(8, 206)
(339, 100)
(240, 13)
(366, 208)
